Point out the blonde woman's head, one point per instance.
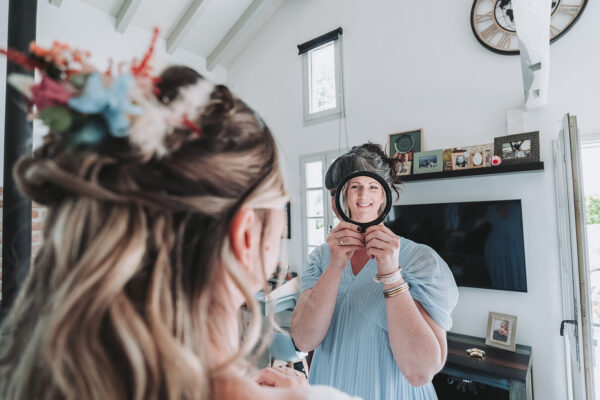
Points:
(143, 256)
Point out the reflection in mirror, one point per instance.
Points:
(363, 198)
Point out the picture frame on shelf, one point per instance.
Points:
(428, 161)
(480, 156)
(522, 148)
(448, 159)
(460, 159)
(403, 146)
(405, 167)
(501, 331)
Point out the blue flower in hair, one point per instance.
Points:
(112, 102)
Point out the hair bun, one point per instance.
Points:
(214, 117)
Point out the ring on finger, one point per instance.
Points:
(341, 241)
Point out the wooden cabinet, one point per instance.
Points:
(501, 375)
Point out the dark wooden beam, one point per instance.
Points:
(16, 210)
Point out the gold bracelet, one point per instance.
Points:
(394, 291)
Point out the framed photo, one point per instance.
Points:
(405, 167)
(403, 145)
(518, 149)
(287, 220)
(448, 159)
(501, 331)
(428, 161)
(480, 156)
(460, 159)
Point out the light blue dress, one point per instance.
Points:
(355, 356)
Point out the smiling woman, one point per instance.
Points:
(370, 298)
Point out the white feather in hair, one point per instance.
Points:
(149, 130)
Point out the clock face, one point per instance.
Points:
(493, 22)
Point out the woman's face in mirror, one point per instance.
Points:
(364, 197)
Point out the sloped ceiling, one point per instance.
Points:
(217, 30)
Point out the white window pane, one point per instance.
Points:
(314, 203)
(310, 249)
(314, 174)
(322, 78)
(316, 231)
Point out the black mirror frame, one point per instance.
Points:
(388, 199)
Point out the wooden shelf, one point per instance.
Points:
(501, 169)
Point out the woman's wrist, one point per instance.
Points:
(393, 285)
(387, 269)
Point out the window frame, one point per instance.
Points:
(333, 113)
(326, 158)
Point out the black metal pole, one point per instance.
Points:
(16, 210)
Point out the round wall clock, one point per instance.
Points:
(493, 22)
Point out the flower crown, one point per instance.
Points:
(75, 99)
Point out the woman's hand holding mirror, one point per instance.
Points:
(343, 241)
(384, 245)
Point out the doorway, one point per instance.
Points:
(590, 162)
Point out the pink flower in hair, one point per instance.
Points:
(49, 93)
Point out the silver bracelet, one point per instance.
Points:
(389, 278)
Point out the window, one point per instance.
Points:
(322, 73)
(317, 216)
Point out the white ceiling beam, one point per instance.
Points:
(56, 3)
(185, 24)
(235, 32)
(126, 14)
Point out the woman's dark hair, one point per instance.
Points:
(172, 79)
(367, 157)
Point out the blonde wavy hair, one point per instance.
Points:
(124, 299)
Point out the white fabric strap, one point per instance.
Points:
(390, 278)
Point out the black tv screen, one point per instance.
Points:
(482, 242)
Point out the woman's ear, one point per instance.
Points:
(243, 236)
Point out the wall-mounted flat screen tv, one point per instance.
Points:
(482, 242)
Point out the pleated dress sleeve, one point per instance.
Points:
(431, 281)
(314, 267)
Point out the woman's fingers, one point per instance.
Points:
(345, 225)
(380, 232)
(379, 244)
(377, 253)
(347, 233)
(268, 377)
(280, 377)
(348, 241)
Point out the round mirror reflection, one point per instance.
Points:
(363, 198)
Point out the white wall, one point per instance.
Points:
(85, 27)
(417, 65)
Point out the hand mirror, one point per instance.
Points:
(363, 198)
